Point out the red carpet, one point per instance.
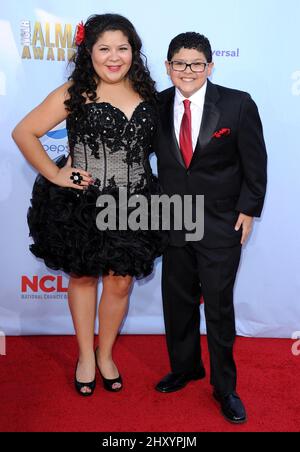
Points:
(36, 389)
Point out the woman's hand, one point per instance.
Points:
(63, 177)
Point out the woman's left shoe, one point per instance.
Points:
(109, 383)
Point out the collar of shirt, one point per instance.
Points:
(197, 107)
(197, 99)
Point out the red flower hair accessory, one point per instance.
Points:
(80, 34)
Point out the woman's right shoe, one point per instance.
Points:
(78, 385)
(108, 383)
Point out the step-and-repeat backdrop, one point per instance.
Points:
(256, 49)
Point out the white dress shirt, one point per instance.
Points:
(197, 105)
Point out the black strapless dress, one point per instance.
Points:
(62, 221)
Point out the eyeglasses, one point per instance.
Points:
(180, 66)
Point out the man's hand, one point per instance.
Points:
(246, 222)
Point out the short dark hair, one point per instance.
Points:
(190, 40)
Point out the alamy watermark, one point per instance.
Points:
(2, 343)
(157, 212)
(296, 345)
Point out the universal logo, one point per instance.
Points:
(227, 53)
(48, 41)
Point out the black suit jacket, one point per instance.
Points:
(229, 171)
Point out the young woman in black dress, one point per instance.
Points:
(109, 105)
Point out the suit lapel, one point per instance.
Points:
(168, 127)
(210, 119)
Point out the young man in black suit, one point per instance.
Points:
(209, 142)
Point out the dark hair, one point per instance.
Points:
(190, 40)
(84, 76)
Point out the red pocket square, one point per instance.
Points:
(222, 132)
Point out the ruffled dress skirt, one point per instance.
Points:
(62, 224)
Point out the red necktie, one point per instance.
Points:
(185, 136)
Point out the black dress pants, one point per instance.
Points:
(187, 271)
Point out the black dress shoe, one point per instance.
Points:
(109, 383)
(176, 381)
(232, 407)
(79, 386)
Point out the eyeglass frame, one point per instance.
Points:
(189, 65)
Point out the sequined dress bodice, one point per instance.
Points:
(111, 147)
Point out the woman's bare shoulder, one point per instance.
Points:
(62, 91)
